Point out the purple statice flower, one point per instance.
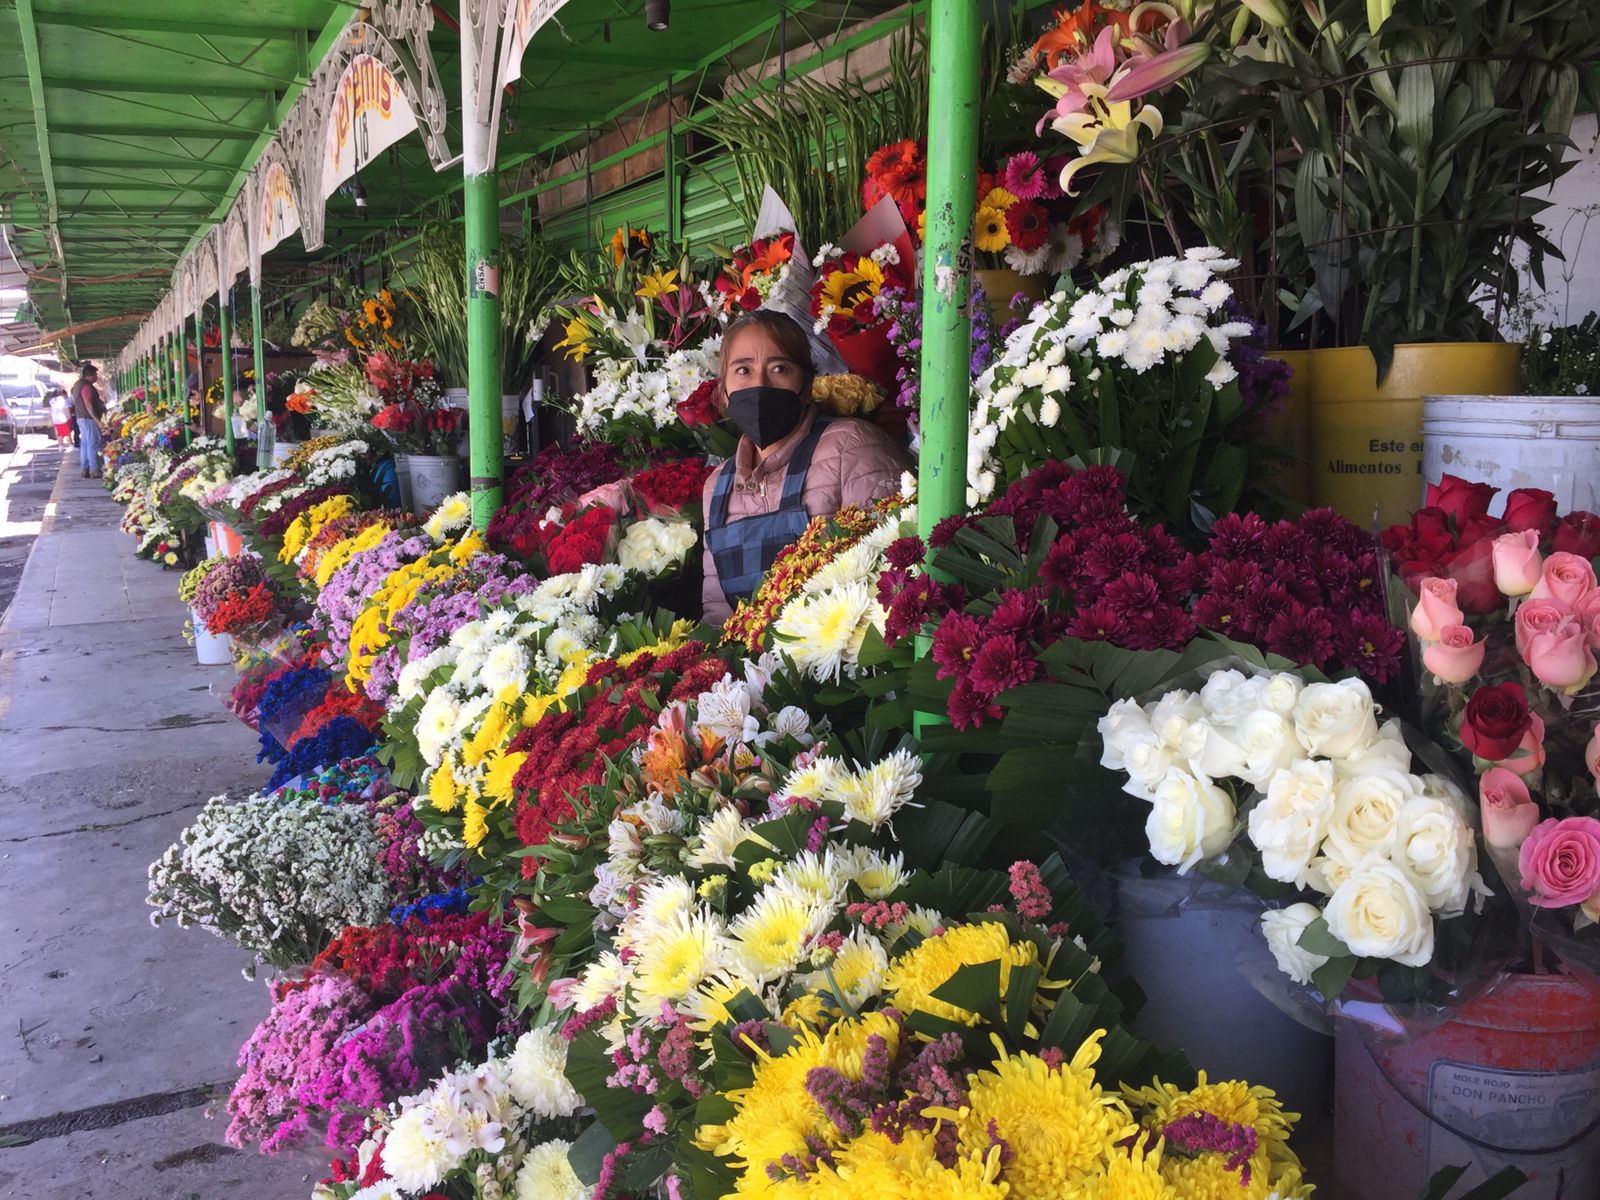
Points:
(1206, 1133)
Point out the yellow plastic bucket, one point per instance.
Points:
(1287, 429)
(1366, 437)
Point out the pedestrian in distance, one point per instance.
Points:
(88, 408)
(61, 417)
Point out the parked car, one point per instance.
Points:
(30, 411)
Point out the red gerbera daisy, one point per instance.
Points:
(1029, 225)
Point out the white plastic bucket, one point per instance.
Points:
(282, 450)
(212, 650)
(402, 479)
(1511, 1079)
(433, 477)
(1549, 442)
(211, 546)
(1198, 955)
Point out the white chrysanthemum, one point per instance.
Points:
(659, 904)
(823, 633)
(436, 724)
(604, 977)
(505, 669)
(770, 937)
(676, 958)
(815, 780)
(875, 794)
(547, 1174)
(717, 838)
(821, 876)
(454, 512)
(414, 1158)
(538, 1076)
(857, 970)
(870, 871)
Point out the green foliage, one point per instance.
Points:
(1563, 361)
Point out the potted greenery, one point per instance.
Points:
(528, 280)
(1409, 153)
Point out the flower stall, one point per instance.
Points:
(1088, 817)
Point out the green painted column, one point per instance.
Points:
(180, 365)
(224, 306)
(260, 353)
(486, 465)
(953, 51)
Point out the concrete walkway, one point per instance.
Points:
(115, 1037)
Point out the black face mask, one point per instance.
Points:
(765, 414)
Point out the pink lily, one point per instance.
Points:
(1156, 73)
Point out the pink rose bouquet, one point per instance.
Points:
(1508, 644)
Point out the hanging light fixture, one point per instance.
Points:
(657, 14)
(358, 193)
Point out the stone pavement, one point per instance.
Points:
(115, 1037)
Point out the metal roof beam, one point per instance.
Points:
(591, 56)
(174, 87)
(230, 133)
(123, 185)
(153, 162)
(136, 210)
(220, 26)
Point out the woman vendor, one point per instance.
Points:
(794, 462)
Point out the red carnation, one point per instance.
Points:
(1495, 720)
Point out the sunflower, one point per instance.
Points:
(989, 230)
(845, 288)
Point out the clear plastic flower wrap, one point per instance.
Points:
(1350, 832)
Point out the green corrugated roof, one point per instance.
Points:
(153, 112)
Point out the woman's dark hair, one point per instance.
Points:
(781, 328)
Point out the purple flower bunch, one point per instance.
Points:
(408, 869)
(341, 1043)
(229, 577)
(484, 583)
(905, 335)
(348, 589)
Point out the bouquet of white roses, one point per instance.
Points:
(1303, 791)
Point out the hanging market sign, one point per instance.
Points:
(279, 216)
(369, 114)
(524, 20)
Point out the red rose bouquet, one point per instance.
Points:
(673, 489)
(1505, 614)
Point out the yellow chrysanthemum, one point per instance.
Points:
(1273, 1168)
(776, 1115)
(474, 824)
(534, 707)
(1059, 1122)
(806, 1012)
(1131, 1175)
(708, 1004)
(491, 735)
(573, 675)
(501, 776)
(913, 977)
(874, 1167)
(442, 791)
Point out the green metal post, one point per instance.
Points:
(224, 303)
(953, 51)
(486, 464)
(181, 367)
(261, 364)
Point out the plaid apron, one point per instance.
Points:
(745, 548)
